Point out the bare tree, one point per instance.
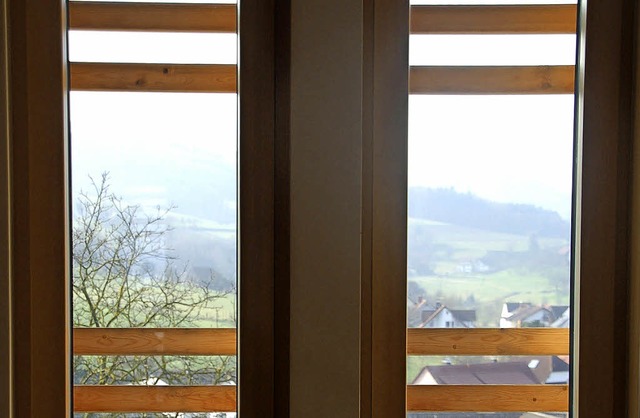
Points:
(123, 277)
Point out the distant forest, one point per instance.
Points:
(466, 209)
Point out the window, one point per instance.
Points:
(38, 188)
(154, 230)
(490, 156)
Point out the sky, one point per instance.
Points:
(503, 148)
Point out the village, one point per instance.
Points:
(506, 370)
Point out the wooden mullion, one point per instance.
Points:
(386, 186)
(38, 146)
(487, 398)
(258, 320)
(154, 398)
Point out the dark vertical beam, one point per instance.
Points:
(257, 347)
(282, 206)
(389, 199)
(634, 243)
(605, 117)
(6, 367)
(367, 210)
(38, 98)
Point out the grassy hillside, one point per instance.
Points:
(471, 268)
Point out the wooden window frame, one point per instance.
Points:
(604, 132)
(39, 212)
(6, 362)
(38, 216)
(39, 224)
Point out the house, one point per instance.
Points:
(475, 266)
(516, 315)
(605, 250)
(443, 317)
(512, 373)
(563, 320)
(559, 371)
(524, 371)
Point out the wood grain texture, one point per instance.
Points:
(509, 19)
(40, 211)
(154, 398)
(421, 341)
(154, 341)
(492, 80)
(488, 341)
(488, 398)
(219, 78)
(220, 18)
(194, 78)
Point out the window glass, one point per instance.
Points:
(490, 2)
(154, 226)
(490, 210)
(152, 47)
(492, 50)
(489, 206)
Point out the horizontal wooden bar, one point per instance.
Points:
(154, 398)
(154, 341)
(487, 341)
(221, 78)
(222, 341)
(492, 80)
(508, 19)
(443, 398)
(488, 398)
(220, 18)
(195, 78)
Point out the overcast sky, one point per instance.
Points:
(505, 148)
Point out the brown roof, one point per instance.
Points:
(511, 373)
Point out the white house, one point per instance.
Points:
(524, 314)
(443, 317)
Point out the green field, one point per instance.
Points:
(220, 314)
(516, 268)
(490, 291)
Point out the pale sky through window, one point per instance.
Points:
(504, 148)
